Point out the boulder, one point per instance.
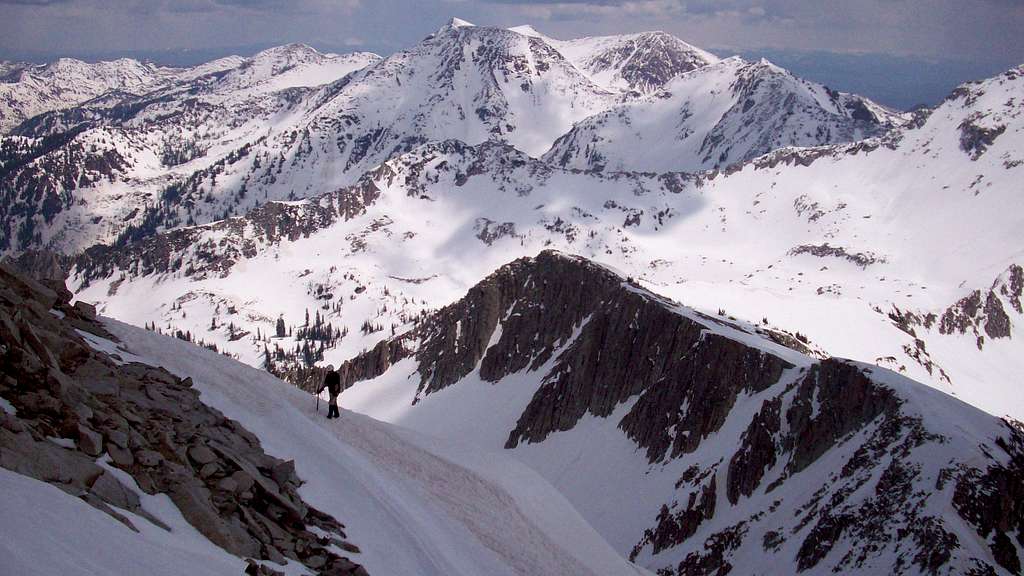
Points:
(31, 340)
(346, 546)
(123, 458)
(111, 491)
(201, 455)
(99, 504)
(46, 461)
(209, 470)
(342, 566)
(89, 441)
(86, 310)
(275, 556)
(83, 412)
(284, 473)
(148, 458)
(243, 480)
(118, 438)
(227, 485)
(193, 500)
(97, 377)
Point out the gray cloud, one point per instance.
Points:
(34, 2)
(978, 30)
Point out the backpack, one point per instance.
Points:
(333, 383)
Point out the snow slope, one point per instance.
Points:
(37, 538)
(716, 115)
(410, 508)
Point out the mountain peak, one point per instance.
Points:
(527, 30)
(293, 53)
(459, 23)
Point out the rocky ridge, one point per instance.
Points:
(836, 465)
(80, 413)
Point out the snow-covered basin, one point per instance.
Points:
(403, 498)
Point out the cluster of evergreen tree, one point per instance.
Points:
(187, 336)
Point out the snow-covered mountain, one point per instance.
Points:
(829, 242)
(641, 63)
(717, 115)
(220, 144)
(100, 172)
(30, 90)
(702, 445)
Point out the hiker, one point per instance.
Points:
(332, 382)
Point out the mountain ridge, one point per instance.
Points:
(714, 383)
(220, 143)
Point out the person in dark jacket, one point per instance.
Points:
(332, 382)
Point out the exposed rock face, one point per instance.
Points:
(846, 401)
(541, 303)
(983, 313)
(180, 249)
(818, 465)
(152, 425)
(975, 137)
(862, 259)
(992, 500)
(674, 528)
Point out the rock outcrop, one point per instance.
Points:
(80, 413)
(982, 313)
(548, 302)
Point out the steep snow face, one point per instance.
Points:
(414, 504)
(829, 242)
(642, 63)
(718, 115)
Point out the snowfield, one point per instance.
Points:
(405, 502)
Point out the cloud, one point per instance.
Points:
(34, 2)
(592, 9)
(980, 30)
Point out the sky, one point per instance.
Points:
(905, 51)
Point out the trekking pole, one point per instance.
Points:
(318, 402)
